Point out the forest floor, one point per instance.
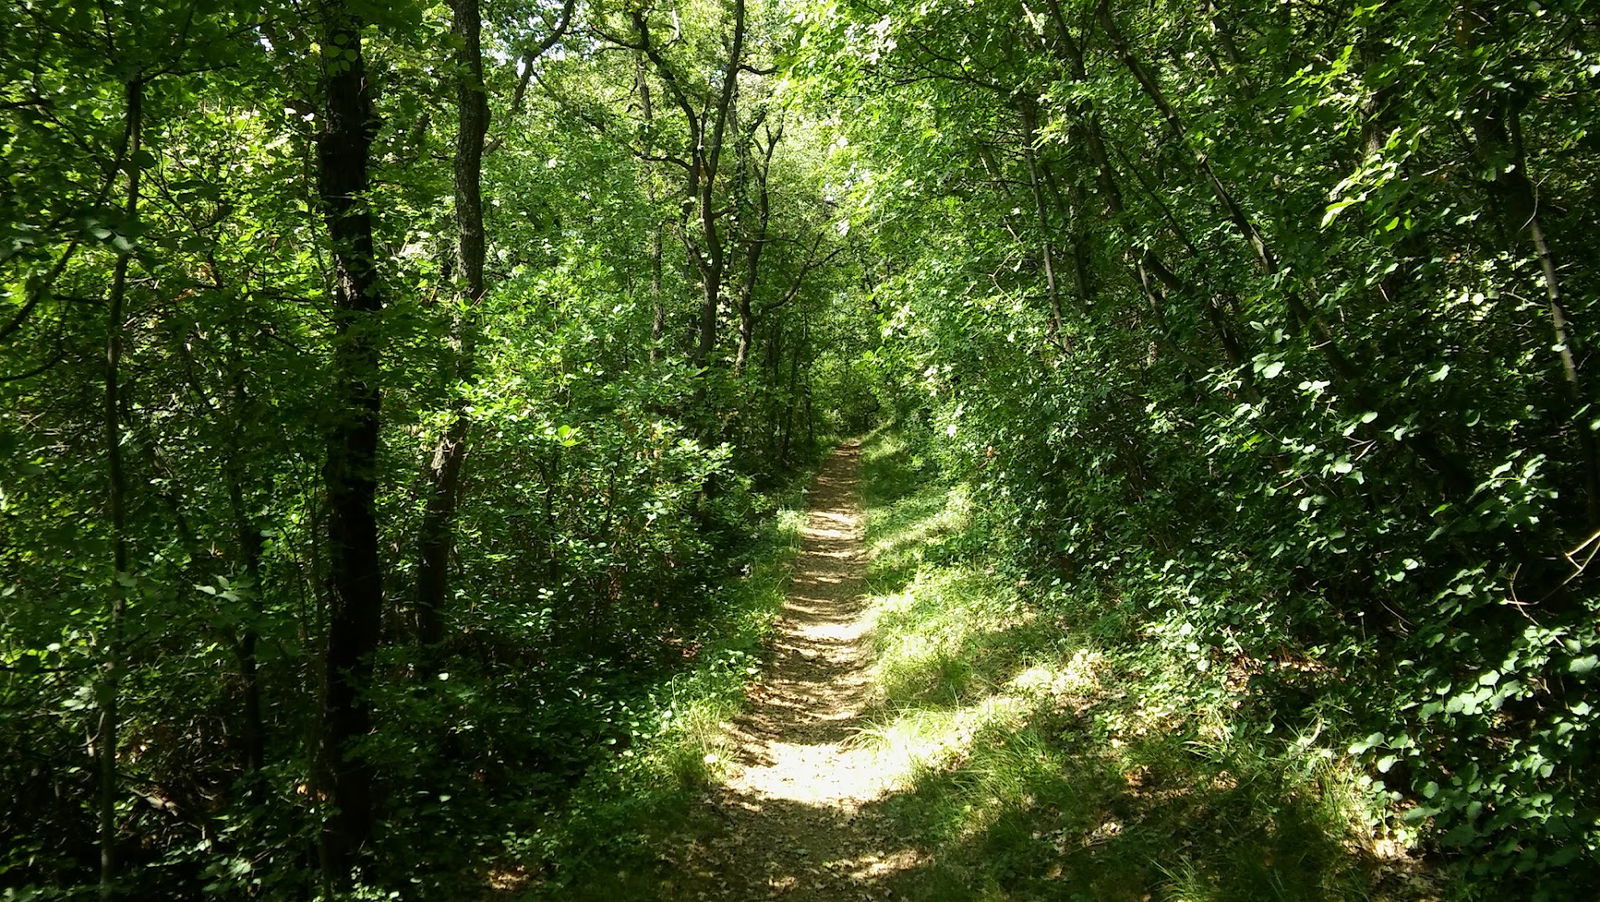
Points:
(794, 801)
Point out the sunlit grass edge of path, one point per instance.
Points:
(1050, 747)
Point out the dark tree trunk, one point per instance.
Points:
(247, 537)
(658, 314)
(116, 509)
(354, 577)
(1500, 137)
(253, 732)
(759, 167)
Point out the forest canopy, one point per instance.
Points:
(397, 400)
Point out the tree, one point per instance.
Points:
(354, 582)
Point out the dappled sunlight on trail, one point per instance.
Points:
(794, 804)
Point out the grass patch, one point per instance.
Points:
(1046, 747)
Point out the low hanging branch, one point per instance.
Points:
(811, 263)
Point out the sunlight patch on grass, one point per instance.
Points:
(951, 632)
(912, 525)
(1060, 681)
(1050, 748)
(912, 745)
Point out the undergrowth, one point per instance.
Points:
(1054, 745)
(602, 841)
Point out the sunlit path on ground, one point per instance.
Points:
(793, 798)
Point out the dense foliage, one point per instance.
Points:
(371, 458)
(390, 390)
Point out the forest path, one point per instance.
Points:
(794, 804)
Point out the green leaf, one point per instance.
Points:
(1366, 744)
(1334, 209)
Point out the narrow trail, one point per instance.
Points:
(794, 800)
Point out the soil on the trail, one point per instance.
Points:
(794, 806)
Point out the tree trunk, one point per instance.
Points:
(1180, 133)
(790, 398)
(438, 520)
(658, 314)
(253, 733)
(354, 577)
(707, 122)
(708, 213)
(116, 498)
(1046, 246)
(1501, 133)
(755, 245)
(247, 536)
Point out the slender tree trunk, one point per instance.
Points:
(253, 732)
(1224, 32)
(354, 576)
(707, 199)
(1148, 270)
(805, 347)
(658, 314)
(438, 520)
(744, 304)
(997, 175)
(711, 294)
(1073, 205)
(1455, 478)
(707, 127)
(747, 331)
(116, 509)
(1344, 372)
(1046, 246)
(247, 536)
(790, 401)
(1180, 133)
(1524, 216)
(1499, 142)
(756, 243)
(774, 373)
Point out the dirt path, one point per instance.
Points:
(793, 803)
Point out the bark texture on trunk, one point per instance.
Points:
(354, 577)
(445, 470)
